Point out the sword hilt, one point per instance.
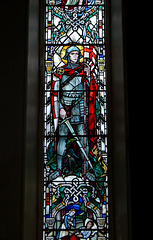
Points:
(65, 120)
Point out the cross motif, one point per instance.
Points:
(60, 71)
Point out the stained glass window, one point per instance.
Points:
(75, 125)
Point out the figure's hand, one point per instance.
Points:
(63, 113)
(71, 223)
(79, 235)
(87, 69)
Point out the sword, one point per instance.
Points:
(68, 124)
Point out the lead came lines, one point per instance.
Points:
(67, 193)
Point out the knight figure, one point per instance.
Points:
(73, 96)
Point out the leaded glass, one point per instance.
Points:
(75, 124)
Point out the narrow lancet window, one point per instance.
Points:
(75, 123)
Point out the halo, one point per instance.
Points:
(63, 51)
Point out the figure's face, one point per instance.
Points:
(89, 225)
(74, 55)
(72, 213)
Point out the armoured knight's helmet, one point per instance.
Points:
(71, 49)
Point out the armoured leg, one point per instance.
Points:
(83, 139)
(61, 146)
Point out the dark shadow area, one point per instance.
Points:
(13, 43)
(135, 44)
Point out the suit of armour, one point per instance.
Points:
(70, 92)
